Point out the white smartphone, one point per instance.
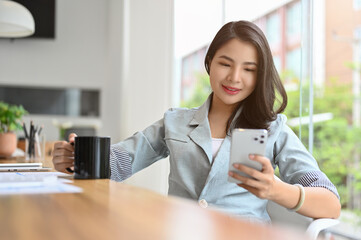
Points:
(245, 142)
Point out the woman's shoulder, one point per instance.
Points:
(175, 115)
(180, 112)
(280, 131)
(279, 125)
(177, 121)
(279, 122)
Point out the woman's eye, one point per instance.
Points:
(250, 70)
(225, 64)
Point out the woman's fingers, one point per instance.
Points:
(266, 163)
(61, 167)
(62, 152)
(246, 180)
(63, 145)
(62, 159)
(266, 167)
(248, 170)
(260, 183)
(63, 155)
(72, 137)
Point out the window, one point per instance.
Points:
(356, 4)
(273, 30)
(293, 23)
(277, 62)
(194, 27)
(293, 61)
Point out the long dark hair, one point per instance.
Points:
(259, 107)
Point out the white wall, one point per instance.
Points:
(74, 58)
(77, 57)
(122, 47)
(147, 75)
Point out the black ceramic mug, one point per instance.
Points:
(91, 157)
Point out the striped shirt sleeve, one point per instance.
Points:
(317, 179)
(120, 164)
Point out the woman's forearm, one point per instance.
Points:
(319, 202)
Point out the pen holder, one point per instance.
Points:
(35, 149)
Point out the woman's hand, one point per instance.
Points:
(63, 154)
(263, 183)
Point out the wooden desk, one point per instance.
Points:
(111, 210)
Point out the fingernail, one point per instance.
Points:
(230, 174)
(251, 156)
(236, 165)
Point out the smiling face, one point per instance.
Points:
(233, 72)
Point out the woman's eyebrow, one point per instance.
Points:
(226, 57)
(230, 59)
(250, 63)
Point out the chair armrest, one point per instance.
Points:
(320, 224)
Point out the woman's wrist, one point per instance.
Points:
(285, 194)
(301, 199)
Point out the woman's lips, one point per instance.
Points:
(230, 90)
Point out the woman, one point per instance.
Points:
(244, 83)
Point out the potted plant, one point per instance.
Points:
(10, 121)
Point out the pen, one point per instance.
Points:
(37, 143)
(25, 131)
(31, 140)
(41, 128)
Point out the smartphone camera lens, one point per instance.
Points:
(256, 139)
(262, 136)
(261, 142)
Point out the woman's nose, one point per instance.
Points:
(235, 75)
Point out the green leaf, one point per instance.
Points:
(10, 117)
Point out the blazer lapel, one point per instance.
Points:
(201, 134)
(221, 162)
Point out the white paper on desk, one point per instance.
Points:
(62, 177)
(14, 184)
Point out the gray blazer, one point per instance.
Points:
(184, 135)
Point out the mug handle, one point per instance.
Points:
(69, 169)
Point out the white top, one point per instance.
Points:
(216, 144)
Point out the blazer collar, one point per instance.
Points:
(201, 115)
